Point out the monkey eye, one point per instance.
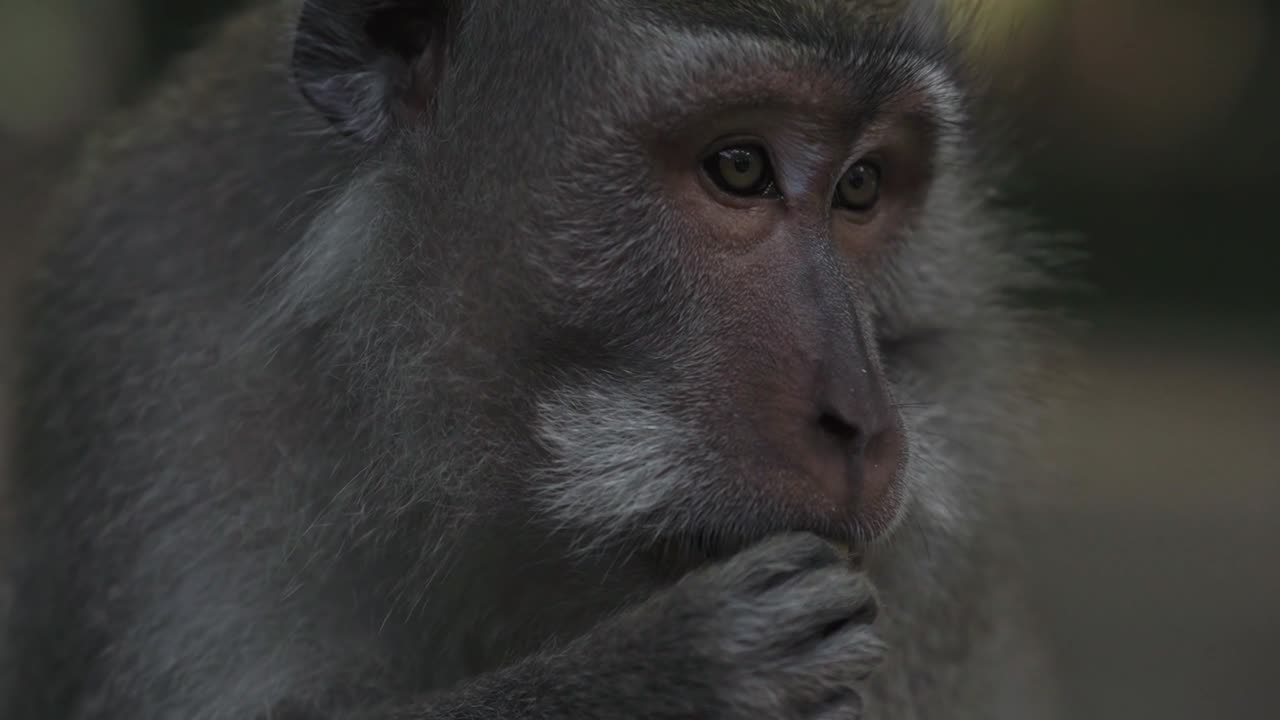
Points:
(859, 189)
(742, 170)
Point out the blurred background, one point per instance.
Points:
(1150, 129)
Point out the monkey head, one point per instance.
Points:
(687, 309)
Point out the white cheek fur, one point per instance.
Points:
(616, 456)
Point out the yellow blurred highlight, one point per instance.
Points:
(995, 32)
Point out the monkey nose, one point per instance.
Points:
(859, 455)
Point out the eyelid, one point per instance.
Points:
(725, 142)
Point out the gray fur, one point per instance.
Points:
(303, 433)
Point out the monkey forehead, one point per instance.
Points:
(833, 56)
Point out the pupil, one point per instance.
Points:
(741, 162)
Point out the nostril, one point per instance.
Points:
(837, 427)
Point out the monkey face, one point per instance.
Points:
(753, 205)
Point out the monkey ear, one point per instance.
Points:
(371, 65)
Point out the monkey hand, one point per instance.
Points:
(781, 630)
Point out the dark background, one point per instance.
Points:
(1150, 129)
